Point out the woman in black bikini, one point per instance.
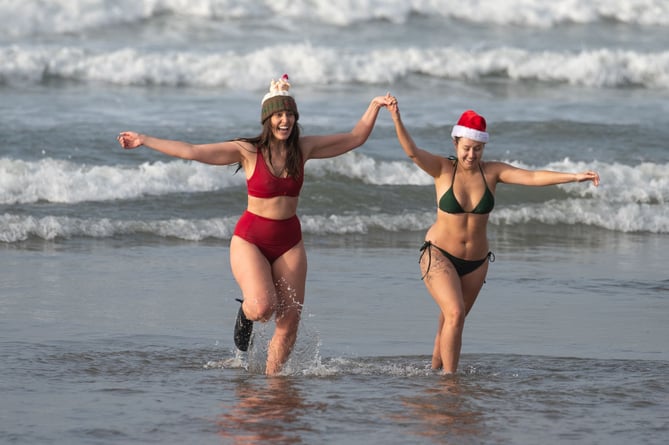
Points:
(454, 257)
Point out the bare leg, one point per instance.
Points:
(290, 273)
(443, 284)
(253, 274)
(472, 284)
(450, 340)
(436, 351)
(455, 297)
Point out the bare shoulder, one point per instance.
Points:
(496, 165)
(245, 152)
(495, 169)
(307, 143)
(437, 166)
(447, 163)
(244, 146)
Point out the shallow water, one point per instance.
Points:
(116, 297)
(95, 351)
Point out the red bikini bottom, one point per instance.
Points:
(273, 237)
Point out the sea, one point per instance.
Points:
(117, 303)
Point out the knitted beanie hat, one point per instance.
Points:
(278, 99)
(471, 126)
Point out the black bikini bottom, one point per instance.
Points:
(462, 267)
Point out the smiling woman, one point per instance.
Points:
(267, 254)
(454, 257)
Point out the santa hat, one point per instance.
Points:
(278, 99)
(471, 126)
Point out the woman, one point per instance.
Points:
(454, 258)
(267, 255)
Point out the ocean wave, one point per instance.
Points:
(631, 198)
(16, 228)
(311, 65)
(61, 181)
(72, 16)
(626, 218)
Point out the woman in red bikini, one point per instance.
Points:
(267, 255)
(454, 258)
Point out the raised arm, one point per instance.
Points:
(328, 146)
(509, 174)
(219, 153)
(430, 163)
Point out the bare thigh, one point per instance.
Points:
(442, 281)
(472, 284)
(253, 274)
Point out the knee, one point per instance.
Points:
(454, 318)
(259, 311)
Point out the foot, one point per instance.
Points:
(243, 330)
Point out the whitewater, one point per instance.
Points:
(117, 302)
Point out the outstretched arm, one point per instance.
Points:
(512, 175)
(422, 158)
(219, 153)
(328, 146)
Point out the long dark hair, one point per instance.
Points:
(294, 156)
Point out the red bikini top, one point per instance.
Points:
(264, 184)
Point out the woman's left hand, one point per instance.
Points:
(129, 139)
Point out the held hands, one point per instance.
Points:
(385, 101)
(130, 139)
(393, 106)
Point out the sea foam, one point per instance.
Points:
(71, 16)
(629, 199)
(599, 68)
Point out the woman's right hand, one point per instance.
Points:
(130, 139)
(393, 107)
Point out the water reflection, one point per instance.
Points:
(268, 410)
(445, 413)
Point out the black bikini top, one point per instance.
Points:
(449, 203)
